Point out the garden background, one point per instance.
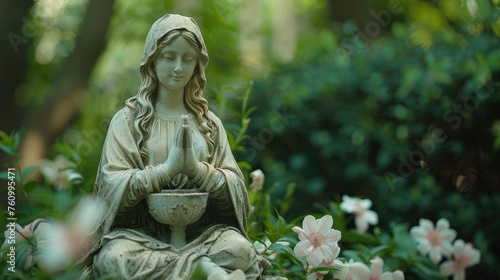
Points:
(396, 101)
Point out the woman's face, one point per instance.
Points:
(175, 65)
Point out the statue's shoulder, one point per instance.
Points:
(124, 117)
(216, 120)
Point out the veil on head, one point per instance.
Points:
(166, 24)
(195, 102)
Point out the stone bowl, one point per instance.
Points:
(177, 208)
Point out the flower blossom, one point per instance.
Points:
(319, 275)
(464, 256)
(318, 241)
(360, 271)
(361, 208)
(344, 272)
(47, 245)
(34, 234)
(435, 241)
(55, 245)
(258, 179)
(60, 172)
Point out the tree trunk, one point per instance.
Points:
(14, 43)
(67, 95)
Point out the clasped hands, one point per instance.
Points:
(182, 157)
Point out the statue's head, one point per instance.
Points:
(164, 32)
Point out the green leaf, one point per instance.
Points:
(378, 250)
(30, 186)
(17, 139)
(359, 238)
(406, 246)
(280, 223)
(3, 135)
(250, 111)
(426, 272)
(323, 268)
(235, 113)
(361, 249)
(247, 96)
(28, 170)
(355, 255)
(7, 149)
(23, 251)
(244, 165)
(278, 247)
(291, 255)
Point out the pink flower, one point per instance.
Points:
(360, 207)
(319, 275)
(344, 272)
(318, 241)
(435, 241)
(464, 256)
(360, 271)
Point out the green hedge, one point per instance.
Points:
(358, 121)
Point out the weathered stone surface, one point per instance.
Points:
(166, 138)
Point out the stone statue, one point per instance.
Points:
(166, 138)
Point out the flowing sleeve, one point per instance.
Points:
(122, 179)
(223, 161)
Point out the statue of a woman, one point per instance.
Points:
(166, 138)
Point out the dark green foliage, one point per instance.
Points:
(411, 128)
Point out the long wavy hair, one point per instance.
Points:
(143, 102)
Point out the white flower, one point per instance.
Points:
(360, 207)
(344, 272)
(258, 179)
(60, 172)
(54, 251)
(435, 241)
(360, 271)
(318, 241)
(55, 245)
(464, 256)
(36, 234)
(319, 275)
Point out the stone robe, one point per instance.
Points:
(131, 244)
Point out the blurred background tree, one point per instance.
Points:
(394, 100)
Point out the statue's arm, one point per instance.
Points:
(121, 171)
(143, 182)
(213, 178)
